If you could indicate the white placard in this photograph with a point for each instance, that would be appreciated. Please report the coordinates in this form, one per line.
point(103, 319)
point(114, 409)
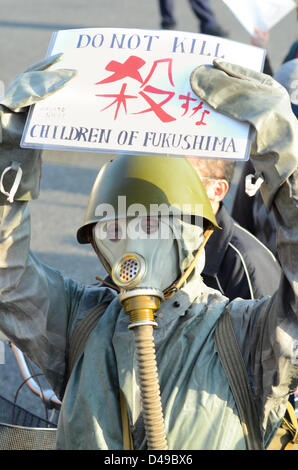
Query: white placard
point(260, 14)
point(132, 94)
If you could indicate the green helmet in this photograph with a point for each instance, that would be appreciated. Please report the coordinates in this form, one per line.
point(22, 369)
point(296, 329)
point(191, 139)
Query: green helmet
point(146, 180)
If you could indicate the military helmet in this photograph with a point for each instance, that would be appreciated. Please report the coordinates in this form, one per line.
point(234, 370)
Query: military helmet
point(146, 180)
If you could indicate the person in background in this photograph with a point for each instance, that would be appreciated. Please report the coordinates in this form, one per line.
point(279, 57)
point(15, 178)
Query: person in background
point(293, 51)
point(260, 39)
point(208, 23)
point(235, 259)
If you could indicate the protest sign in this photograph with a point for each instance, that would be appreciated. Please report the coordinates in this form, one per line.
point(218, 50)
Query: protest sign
point(132, 94)
point(260, 14)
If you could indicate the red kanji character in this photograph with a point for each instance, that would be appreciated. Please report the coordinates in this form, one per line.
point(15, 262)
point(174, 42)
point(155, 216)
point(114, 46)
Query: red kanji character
point(153, 68)
point(128, 69)
point(187, 99)
point(120, 100)
point(157, 107)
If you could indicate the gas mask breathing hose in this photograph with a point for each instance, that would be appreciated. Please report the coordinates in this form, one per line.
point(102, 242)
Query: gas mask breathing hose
point(141, 310)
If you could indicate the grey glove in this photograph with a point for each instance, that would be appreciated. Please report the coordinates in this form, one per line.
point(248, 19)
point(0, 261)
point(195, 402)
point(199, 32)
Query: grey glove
point(20, 169)
point(255, 98)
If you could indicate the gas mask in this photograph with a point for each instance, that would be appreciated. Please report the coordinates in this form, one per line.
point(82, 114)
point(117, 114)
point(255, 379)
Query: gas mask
point(135, 250)
point(147, 252)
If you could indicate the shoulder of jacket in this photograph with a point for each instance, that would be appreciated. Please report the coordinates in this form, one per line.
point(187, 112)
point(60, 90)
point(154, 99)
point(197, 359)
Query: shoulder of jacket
point(244, 235)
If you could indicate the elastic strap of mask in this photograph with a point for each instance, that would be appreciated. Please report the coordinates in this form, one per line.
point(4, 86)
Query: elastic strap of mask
point(172, 289)
point(103, 281)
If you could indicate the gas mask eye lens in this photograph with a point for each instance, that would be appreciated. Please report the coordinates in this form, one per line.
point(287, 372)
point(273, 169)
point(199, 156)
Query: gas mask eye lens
point(114, 231)
point(149, 225)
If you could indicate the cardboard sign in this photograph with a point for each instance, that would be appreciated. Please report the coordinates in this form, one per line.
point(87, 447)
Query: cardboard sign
point(132, 94)
point(260, 14)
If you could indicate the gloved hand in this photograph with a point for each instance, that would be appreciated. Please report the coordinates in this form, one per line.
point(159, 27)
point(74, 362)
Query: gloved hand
point(20, 169)
point(255, 98)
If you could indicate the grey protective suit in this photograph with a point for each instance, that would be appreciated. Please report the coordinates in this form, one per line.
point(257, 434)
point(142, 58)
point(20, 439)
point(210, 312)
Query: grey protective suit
point(39, 310)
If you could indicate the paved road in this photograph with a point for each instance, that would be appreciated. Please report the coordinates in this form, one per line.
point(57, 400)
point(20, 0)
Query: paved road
point(25, 32)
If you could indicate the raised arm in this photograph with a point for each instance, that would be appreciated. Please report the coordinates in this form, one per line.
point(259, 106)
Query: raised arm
point(34, 299)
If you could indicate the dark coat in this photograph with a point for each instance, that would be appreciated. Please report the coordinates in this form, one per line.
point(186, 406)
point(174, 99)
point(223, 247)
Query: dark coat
point(237, 263)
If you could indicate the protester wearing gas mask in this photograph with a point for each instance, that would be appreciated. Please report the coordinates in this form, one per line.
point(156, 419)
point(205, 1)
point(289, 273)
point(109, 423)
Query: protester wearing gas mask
point(158, 334)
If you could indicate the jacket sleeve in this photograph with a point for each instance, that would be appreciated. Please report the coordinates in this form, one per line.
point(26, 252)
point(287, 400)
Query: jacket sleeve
point(36, 302)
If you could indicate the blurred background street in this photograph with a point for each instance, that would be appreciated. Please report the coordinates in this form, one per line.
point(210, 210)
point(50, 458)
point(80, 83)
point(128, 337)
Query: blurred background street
point(25, 31)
